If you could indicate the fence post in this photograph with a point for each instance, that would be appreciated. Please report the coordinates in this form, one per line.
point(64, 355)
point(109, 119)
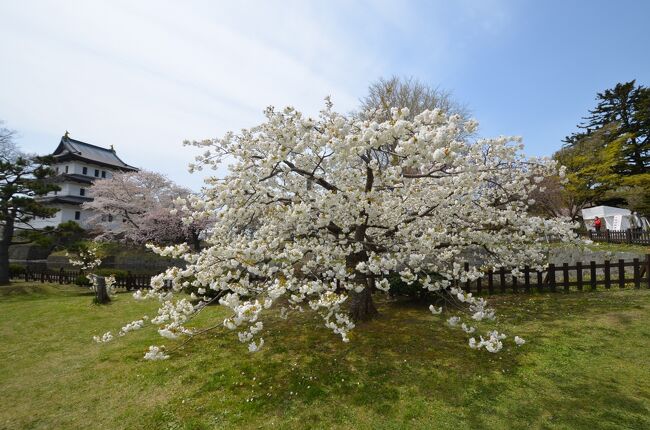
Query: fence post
point(647, 270)
point(607, 235)
point(479, 287)
point(565, 276)
point(608, 282)
point(621, 273)
point(637, 274)
point(628, 235)
point(540, 281)
point(515, 288)
point(592, 275)
point(579, 275)
point(551, 276)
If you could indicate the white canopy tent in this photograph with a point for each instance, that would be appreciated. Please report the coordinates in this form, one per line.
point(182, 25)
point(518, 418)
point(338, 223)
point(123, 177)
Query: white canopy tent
point(613, 218)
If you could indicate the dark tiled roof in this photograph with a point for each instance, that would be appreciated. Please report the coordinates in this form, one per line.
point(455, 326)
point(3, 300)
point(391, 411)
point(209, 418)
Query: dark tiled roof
point(74, 177)
point(75, 149)
point(73, 200)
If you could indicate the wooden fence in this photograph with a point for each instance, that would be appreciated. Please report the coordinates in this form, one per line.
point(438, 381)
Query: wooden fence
point(638, 237)
point(129, 281)
point(621, 273)
point(554, 278)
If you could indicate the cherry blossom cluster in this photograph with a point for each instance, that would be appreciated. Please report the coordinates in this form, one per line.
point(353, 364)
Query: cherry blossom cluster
point(156, 353)
point(316, 211)
point(87, 260)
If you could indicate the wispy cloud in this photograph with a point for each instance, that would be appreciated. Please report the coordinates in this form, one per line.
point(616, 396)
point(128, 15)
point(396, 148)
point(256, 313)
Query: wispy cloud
point(145, 75)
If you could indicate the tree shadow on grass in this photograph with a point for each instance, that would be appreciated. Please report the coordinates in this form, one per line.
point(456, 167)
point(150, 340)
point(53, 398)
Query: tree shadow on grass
point(304, 364)
point(403, 364)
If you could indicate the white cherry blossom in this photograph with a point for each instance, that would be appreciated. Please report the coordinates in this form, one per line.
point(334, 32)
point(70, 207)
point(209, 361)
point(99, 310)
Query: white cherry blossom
point(316, 214)
point(156, 353)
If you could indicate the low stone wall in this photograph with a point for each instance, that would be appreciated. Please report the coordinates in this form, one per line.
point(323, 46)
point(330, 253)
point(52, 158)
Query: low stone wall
point(134, 264)
point(558, 256)
point(28, 252)
point(146, 265)
point(32, 265)
point(31, 256)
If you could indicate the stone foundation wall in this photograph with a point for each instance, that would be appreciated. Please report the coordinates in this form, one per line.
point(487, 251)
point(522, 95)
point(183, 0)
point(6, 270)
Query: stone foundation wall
point(133, 264)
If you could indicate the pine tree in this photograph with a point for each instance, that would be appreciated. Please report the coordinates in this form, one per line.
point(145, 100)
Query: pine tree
point(619, 126)
point(22, 178)
point(627, 107)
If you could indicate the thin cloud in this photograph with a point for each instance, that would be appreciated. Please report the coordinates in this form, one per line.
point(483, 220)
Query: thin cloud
point(143, 76)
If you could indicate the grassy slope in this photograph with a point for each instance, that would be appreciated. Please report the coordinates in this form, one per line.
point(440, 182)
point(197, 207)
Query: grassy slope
point(610, 247)
point(585, 366)
point(619, 247)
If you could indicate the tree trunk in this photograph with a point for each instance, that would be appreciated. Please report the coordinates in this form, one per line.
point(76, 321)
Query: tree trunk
point(362, 308)
point(101, 294)
point(4, 264)
point(5, 241)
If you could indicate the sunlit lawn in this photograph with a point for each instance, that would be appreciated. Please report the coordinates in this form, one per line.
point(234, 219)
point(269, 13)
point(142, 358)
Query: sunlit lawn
point(586, 365)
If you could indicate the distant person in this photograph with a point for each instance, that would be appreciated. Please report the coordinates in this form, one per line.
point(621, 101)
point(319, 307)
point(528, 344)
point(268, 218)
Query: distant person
point(597, 224)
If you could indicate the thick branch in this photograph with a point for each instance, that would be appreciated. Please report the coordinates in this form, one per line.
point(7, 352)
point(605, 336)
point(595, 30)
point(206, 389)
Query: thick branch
point(320, 181)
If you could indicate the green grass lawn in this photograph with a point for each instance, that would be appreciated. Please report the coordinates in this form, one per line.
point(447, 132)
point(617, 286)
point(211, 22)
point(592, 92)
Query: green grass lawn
point(586, 366)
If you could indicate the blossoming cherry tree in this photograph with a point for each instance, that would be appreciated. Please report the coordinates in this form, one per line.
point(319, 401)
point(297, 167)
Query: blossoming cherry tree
point(317, 213)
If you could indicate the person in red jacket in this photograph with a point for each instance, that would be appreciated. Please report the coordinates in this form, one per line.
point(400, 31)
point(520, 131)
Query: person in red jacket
point(597, 223)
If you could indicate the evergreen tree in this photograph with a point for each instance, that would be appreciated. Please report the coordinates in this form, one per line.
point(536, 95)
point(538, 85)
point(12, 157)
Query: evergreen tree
point(619, 129)
point(628, 107)
point(591, 176)
point(22, 177)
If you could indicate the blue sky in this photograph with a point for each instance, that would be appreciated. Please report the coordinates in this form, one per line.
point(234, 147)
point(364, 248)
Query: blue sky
point(145, 75)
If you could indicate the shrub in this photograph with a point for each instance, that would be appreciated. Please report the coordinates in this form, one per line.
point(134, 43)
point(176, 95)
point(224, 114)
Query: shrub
point(16, 270)
point(82, 281)
point(399, 288)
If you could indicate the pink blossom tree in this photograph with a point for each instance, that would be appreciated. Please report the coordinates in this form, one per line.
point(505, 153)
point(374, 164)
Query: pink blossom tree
point(140, 207)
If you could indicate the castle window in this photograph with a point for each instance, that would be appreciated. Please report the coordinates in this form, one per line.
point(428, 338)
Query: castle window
point(96, 173)
point(66, 169)
point(77, 215)
point(103, 173)
point(85, 170)
point(82, 191)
